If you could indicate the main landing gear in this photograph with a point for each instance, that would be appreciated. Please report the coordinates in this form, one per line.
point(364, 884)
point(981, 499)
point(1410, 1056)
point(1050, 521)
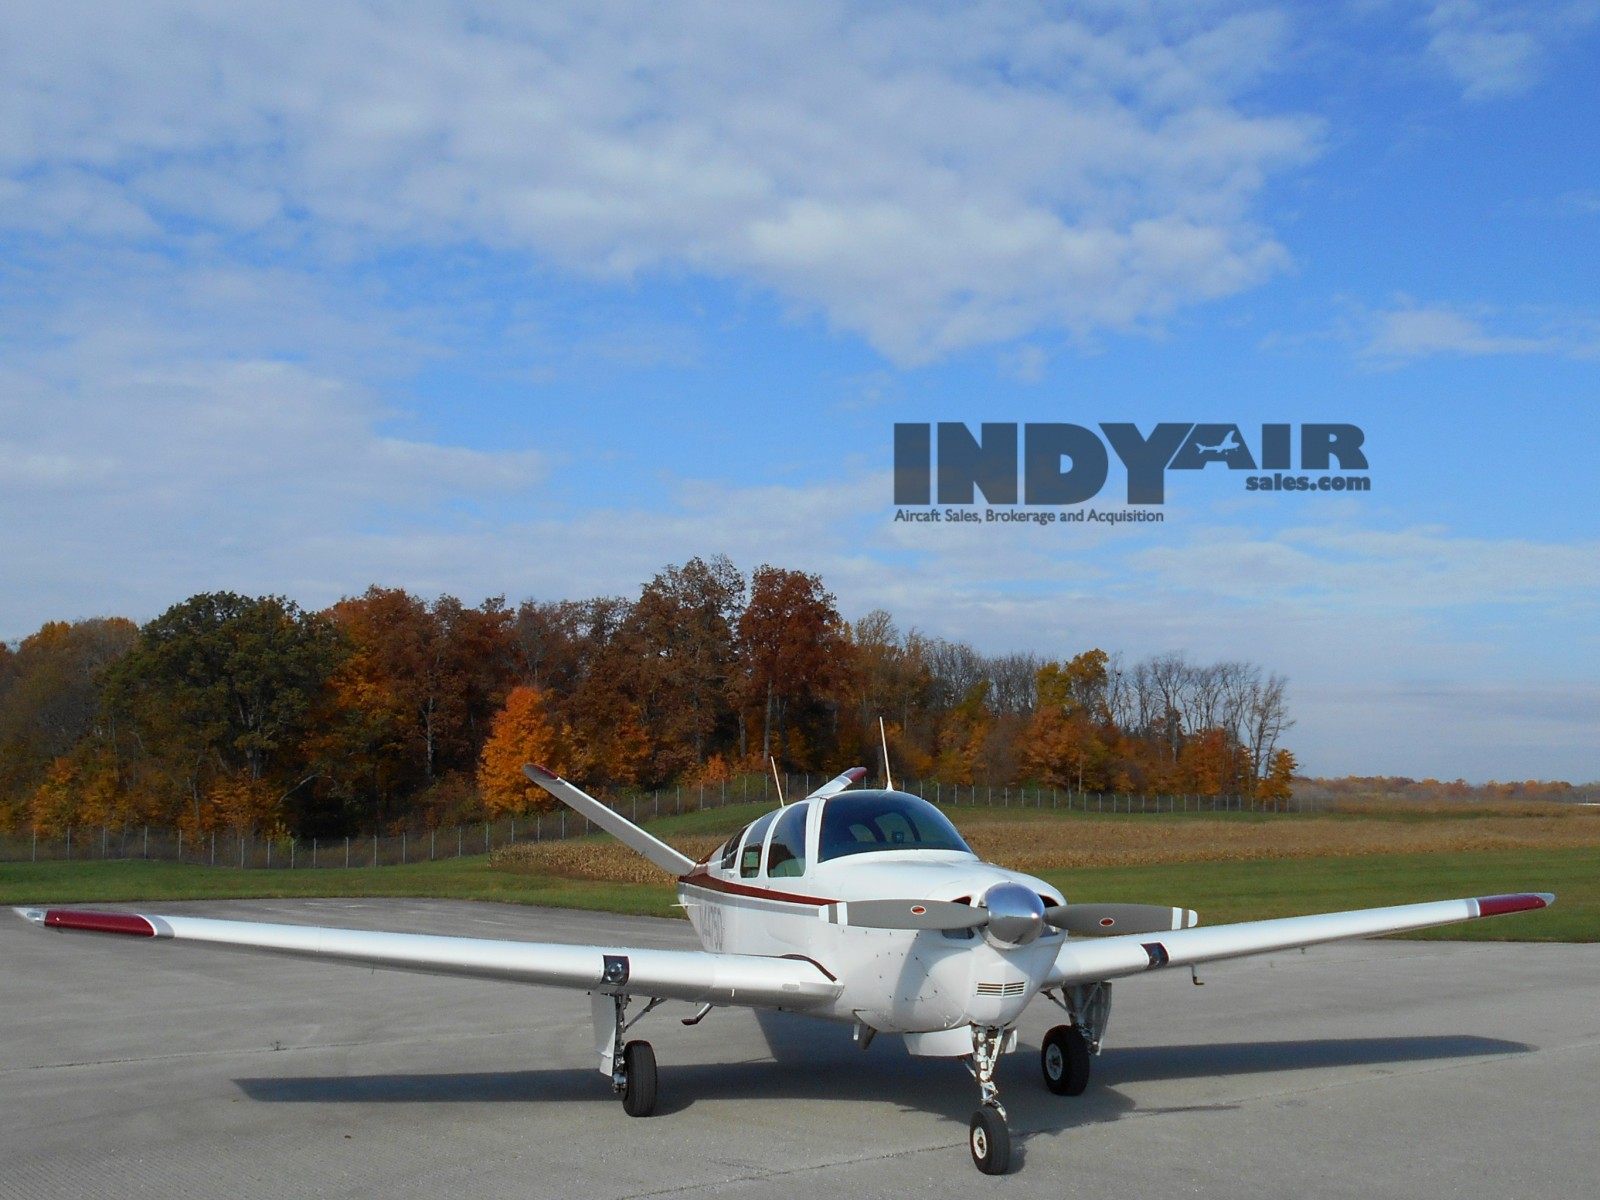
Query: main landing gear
point(1064, 1058)
point(1066, 1053)
point(633, 1071)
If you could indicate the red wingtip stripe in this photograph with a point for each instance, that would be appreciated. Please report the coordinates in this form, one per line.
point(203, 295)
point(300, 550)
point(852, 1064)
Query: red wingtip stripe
point(1494, 906)
point(99, 922)
point(539, 772)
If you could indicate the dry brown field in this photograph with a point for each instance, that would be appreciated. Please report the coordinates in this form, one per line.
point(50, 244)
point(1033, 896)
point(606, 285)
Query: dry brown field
point(1047, 840)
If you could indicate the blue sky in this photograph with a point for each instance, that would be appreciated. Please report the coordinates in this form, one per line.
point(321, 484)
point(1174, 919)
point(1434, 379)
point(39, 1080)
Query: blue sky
point(535, 300)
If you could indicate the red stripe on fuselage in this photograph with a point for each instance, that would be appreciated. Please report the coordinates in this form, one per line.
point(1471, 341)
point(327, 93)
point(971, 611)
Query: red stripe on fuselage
point(99, 922)
point(1494, 906)
point(704, 879)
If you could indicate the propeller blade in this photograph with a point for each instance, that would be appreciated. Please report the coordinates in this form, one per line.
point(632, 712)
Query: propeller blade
point(1120, 918)
point(904, 914)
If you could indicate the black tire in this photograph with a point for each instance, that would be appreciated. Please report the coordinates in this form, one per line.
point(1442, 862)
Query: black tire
point(1064, 1058)
point(639, 1079)
point(989, 1139)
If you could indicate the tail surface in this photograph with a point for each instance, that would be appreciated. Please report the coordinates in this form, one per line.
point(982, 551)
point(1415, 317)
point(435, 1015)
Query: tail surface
point(614, 823)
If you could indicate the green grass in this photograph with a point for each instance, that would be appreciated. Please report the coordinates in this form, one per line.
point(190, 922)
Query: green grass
point(1221, 891)
point(1244, 891)
point(450, 879)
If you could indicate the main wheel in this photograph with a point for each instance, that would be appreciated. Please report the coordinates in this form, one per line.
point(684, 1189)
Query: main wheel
point(1065, 1060)
point(639, 1079)
point(990, 1141)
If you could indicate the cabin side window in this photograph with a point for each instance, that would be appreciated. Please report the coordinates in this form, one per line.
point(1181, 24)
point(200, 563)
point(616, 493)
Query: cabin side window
point(750, 856)
point(786, 856)
point(730, 851)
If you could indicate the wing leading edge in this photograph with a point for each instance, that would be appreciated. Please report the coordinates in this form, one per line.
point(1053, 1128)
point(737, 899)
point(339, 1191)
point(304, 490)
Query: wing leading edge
point(1091, 960)
point(694, 975)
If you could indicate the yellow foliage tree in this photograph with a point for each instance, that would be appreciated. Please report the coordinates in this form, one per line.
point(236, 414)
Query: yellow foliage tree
point(239, 802)
point(54, 804)
point(522, 732)
point(1277, 787)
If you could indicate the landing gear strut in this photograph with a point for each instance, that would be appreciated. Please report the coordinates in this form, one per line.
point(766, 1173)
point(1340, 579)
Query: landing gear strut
point(988, 1135)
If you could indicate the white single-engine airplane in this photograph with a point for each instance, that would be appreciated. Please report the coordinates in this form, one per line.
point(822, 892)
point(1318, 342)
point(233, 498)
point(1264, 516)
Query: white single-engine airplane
point(864, 907)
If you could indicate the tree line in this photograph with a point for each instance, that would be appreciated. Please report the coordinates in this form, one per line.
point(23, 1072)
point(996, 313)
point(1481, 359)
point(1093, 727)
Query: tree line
point(388, 710)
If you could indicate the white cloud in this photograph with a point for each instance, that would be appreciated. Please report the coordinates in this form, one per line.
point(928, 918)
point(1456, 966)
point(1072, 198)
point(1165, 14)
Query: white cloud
point(1494, 48)
point(930, 179)
point(1410, 331)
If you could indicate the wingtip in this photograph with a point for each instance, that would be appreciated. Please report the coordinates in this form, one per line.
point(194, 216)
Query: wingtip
point(1496, 906)
point(537, 773)
point(36, 915)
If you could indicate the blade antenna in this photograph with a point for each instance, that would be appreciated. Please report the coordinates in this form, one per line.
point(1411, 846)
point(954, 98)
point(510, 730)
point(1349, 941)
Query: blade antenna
point(884, 735)
point(782, 803)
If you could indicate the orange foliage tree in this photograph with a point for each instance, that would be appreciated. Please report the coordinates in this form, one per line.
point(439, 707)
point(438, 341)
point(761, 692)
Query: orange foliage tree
point(521, 732)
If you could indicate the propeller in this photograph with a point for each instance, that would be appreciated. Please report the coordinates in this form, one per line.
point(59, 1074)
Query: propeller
point(905, 914)
point(1021, 921)
point(1120, 918)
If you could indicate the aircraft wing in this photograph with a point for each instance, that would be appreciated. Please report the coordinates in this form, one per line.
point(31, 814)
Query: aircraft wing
point(697, 976)
point(1093, 960)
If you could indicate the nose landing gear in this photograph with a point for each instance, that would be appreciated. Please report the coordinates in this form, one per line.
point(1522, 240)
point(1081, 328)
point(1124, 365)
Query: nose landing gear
point(988, 1134)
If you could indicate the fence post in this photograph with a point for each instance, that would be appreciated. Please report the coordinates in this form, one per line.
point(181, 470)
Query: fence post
point(69, 843)
point(374, 849)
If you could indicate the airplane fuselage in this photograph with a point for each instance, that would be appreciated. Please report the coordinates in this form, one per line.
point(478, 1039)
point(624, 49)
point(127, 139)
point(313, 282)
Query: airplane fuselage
point(783, 887)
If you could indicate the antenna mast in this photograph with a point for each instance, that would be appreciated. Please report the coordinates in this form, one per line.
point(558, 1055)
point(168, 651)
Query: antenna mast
point(884, 735)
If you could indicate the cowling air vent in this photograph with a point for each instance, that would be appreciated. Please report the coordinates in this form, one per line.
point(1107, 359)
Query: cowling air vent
point(1002, 989)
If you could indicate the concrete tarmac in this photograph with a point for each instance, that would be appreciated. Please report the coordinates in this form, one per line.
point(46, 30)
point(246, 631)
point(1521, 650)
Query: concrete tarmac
point(1368, 1069)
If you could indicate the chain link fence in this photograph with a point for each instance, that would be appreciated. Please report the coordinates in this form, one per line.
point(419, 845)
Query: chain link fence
point(250, 850)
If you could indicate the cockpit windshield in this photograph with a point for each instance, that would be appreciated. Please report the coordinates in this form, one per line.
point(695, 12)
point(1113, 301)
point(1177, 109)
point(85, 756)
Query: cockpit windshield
point(861, 822)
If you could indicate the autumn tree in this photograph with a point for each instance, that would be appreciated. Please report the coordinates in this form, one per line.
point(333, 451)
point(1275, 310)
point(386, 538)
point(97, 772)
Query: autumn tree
point(682, 627)
point(1277, 786)
point(422, 685)
point(222, 690)
point(792, 648)
point(963, 737)
point(50, 704)
point(889, 679)
point(521, 732)
point(1069, 740)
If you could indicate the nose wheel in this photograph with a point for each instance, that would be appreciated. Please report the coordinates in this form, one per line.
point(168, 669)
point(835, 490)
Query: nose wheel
point(988, 1134)
point(989, 1138)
